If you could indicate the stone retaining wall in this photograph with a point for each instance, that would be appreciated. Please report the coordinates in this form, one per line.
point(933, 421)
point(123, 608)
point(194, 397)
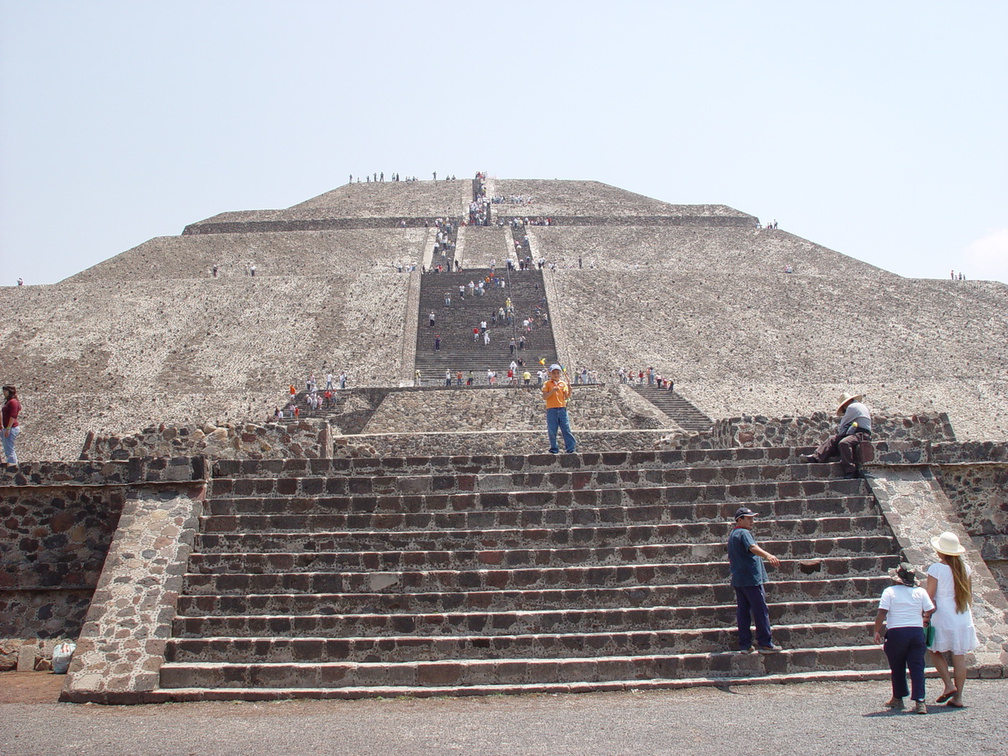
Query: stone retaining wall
point(57, 521)
point(293, 438)
point(749, 430)
point(978, 489)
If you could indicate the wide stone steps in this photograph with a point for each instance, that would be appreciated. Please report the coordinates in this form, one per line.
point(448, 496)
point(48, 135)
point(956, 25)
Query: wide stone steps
point(805, 599)
point(681, 553)
point(323, 579)
point(373, 517)
point(225, 470)
point(454, 324)
point(485, 642)
point(511, 674)
point(520, 481)
point(565, 498)
point(497, 573)
point(517, 538)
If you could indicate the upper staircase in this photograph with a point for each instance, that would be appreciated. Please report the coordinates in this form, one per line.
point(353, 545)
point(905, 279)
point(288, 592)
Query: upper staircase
point(454, 323)
point(680, 409)
point(462, 575)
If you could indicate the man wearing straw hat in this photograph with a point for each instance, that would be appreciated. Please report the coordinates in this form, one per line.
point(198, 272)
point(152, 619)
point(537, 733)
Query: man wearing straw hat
point(855, 426)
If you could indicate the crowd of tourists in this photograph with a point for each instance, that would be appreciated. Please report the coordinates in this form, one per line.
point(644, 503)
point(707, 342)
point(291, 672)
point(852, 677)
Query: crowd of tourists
point(644, 377)
point(379, 178)
point(510, 199)
point(315, 397)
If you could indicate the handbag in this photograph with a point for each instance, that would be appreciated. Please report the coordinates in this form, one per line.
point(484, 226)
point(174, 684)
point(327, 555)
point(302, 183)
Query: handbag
point(929, 633)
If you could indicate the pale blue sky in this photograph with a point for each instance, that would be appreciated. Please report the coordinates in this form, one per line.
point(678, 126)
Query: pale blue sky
point(875, 128)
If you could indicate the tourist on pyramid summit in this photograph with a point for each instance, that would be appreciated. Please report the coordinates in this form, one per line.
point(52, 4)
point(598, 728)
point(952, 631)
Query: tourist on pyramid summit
point(855, 426)
point(557, 391)
point(11, 427)
point(747, 578)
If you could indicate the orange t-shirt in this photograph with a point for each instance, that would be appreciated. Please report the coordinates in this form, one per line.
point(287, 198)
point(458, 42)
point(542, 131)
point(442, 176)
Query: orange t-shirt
point(559, 399)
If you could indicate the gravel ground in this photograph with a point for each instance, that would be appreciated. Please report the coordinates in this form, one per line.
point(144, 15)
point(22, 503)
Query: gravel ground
point(808, 718)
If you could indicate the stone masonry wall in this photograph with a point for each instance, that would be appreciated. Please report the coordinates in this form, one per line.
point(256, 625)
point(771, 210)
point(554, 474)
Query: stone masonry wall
point(975, 480)
point(292, 438)
point(749, 430)
point(57, 521)
point(55, 545)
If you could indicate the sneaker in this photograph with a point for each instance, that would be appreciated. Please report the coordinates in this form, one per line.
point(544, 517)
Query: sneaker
point(746, 650)
point(894, 703)
point(771, 649)
point(920, 708)
point(808, 458)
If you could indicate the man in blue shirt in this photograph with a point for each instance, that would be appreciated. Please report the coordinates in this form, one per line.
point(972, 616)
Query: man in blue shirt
point(747, 577)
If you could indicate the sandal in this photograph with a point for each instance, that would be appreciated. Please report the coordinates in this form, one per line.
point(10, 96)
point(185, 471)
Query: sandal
point(946, 696)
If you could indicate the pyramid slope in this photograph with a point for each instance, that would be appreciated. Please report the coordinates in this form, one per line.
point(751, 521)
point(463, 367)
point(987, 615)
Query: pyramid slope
point(191, 350)
point(591, 198)
point(148, 336)
point(274, 254)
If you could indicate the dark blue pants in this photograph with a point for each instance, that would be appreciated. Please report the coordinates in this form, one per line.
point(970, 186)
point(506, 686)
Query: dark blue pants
point(751, 607)
point(904, 647)
point(556, 418)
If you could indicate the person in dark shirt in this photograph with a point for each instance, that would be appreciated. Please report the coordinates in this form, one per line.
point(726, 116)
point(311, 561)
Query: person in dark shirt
point(747, 577)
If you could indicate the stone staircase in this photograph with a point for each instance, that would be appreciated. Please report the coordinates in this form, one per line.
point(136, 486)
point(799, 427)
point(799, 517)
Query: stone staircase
point(471, 575)
point(455, 325)
point(682, 410)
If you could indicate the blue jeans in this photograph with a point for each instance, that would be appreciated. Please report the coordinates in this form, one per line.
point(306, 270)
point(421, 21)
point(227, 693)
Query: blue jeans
point(8, 444)
point(904, 647)
point(751, 607)
point(556, 417)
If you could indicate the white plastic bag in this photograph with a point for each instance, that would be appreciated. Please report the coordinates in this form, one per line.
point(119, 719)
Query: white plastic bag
point(61, 656)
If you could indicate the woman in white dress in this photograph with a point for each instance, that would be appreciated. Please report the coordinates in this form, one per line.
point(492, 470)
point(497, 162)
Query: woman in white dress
point(949, 586)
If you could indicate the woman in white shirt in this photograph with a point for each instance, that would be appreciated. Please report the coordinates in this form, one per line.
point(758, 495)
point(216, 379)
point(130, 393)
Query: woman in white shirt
point(902, 609)
point(950, 587)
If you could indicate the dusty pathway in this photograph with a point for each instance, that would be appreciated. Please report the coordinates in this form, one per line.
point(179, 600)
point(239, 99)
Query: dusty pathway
point(809, 718)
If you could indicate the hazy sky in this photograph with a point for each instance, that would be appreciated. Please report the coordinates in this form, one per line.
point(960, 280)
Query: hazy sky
point(879, 129)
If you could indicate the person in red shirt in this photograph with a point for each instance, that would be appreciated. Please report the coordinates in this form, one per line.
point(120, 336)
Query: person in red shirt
point(11, 427)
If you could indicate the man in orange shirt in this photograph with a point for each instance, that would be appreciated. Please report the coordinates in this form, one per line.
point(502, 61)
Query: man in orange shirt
point(556, 391)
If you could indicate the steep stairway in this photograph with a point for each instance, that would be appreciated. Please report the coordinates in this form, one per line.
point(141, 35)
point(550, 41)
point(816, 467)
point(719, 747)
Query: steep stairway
point(682, 410)
point(454, 323)
point(473, 575)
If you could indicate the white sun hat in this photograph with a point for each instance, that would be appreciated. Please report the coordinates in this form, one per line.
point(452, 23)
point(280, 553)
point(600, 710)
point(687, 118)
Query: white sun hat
point(948, 544)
